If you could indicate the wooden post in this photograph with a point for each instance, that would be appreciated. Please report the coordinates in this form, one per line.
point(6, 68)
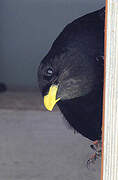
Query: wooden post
point(110, 111)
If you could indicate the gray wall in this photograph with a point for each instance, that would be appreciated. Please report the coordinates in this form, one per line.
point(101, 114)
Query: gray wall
point(27, 30)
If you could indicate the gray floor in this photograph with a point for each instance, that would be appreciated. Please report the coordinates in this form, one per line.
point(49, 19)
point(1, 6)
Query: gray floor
point(22, 100)
point(37, 145)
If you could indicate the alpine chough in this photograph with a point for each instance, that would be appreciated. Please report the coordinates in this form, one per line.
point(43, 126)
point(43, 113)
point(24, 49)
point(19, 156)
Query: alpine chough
point(71, 74)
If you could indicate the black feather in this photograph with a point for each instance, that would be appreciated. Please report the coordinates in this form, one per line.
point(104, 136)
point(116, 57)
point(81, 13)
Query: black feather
point(77, 60)
point(84, 114)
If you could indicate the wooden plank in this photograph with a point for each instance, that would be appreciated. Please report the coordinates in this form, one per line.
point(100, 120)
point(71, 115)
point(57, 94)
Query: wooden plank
point(110, 112)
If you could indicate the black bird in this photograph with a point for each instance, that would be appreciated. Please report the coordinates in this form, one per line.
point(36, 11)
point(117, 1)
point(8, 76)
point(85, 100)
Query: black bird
point(72, 74)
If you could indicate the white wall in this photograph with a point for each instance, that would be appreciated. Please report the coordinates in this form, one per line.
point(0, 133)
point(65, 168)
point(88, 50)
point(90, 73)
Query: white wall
point(27, 30)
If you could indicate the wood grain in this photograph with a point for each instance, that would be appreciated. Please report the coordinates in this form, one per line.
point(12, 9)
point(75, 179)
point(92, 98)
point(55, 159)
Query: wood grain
point(110, 122)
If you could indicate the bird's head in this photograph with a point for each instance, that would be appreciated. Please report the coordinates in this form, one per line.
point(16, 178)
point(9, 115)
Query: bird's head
point(70, 69)
point(66, 76)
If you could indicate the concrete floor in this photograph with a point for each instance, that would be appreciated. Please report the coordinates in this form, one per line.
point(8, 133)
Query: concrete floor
point(37, 145)
point(22, 100)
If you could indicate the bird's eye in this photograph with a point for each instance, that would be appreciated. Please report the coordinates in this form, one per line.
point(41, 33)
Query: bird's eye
point(49, 72)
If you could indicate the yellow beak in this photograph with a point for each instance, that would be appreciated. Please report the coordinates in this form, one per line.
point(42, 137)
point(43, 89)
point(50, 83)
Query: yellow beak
point(50, 99)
